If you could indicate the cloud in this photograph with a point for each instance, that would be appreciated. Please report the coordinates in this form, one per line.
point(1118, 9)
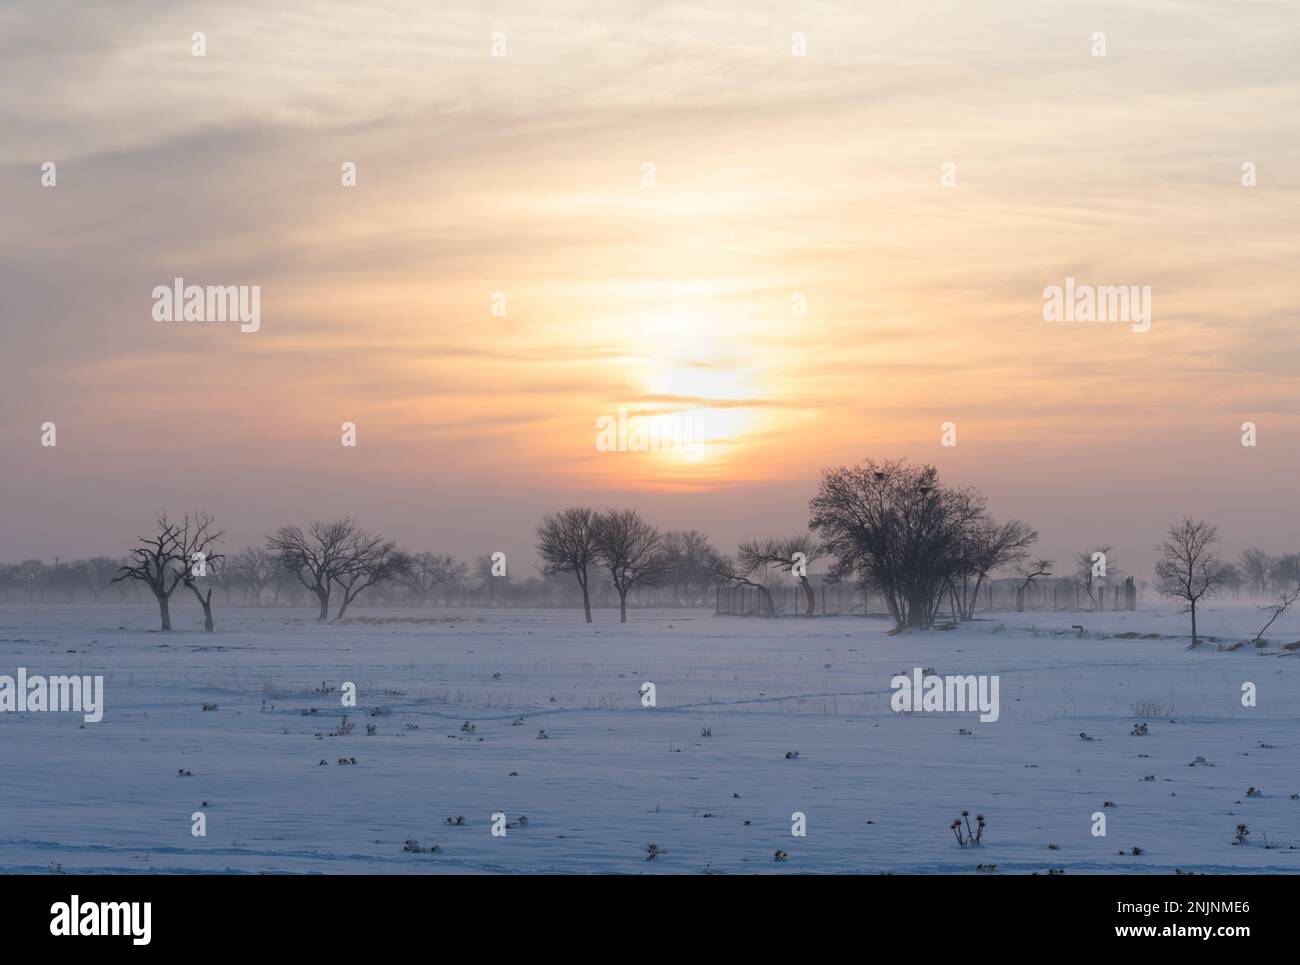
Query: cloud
point(521, 175)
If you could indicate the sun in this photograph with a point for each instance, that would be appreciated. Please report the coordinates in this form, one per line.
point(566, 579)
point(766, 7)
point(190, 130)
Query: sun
point(710, 400)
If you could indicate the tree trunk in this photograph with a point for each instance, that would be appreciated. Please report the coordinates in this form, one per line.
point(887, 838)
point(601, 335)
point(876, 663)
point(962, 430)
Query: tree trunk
point(206, 603)
point(974, 598)
point(622, 606)
point(812, 600)
point(1193, 607)
point(343, 607)
point(323, 595)
point(164, 613)
point(581, 575)
point(919, 613)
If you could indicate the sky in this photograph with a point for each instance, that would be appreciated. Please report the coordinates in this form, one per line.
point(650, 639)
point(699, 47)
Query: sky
point(810, 249)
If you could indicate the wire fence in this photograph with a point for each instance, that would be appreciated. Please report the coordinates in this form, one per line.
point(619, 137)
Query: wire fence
point(1005, 596)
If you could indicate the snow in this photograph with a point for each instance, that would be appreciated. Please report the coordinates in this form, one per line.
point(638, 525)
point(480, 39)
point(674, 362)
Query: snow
point(879, 788)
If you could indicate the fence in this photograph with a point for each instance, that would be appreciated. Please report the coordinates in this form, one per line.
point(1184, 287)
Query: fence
point(829, 598)
point(1062, 595)
point(998, 596)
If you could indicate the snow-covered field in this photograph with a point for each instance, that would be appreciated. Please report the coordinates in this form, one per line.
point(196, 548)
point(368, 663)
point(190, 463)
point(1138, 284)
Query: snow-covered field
point(879, 788)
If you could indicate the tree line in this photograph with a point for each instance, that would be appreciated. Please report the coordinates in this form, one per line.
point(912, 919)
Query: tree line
point(923, 546)
point(926, 548)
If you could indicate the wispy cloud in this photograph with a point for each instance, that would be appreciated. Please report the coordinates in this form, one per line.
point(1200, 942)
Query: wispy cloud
point(776, 178)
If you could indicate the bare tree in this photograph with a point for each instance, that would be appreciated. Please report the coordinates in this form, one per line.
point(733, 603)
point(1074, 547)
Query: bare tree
point(1089, 574)
point(987, 546)
point(1288, 590)
point(691, 563)
point(790, 555)
point(197, 540)
point(895, 526)
point(1232, 579)
point(153, 563)
point(253, 568)
point(66, 577)
point(285, 584)
point(98, 573)
point(566, 542)
point(1257, 566)
point(226, 578)
point(163, 561)
point(1285, 570)
point(631, 549)
point(484, 570)
point(1189, 568)
point(30, 576)
point(1286, 599)
point(1041, 567)
point(423, 573)
point(367, 559)
point(317, 557)
point(727, 571)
